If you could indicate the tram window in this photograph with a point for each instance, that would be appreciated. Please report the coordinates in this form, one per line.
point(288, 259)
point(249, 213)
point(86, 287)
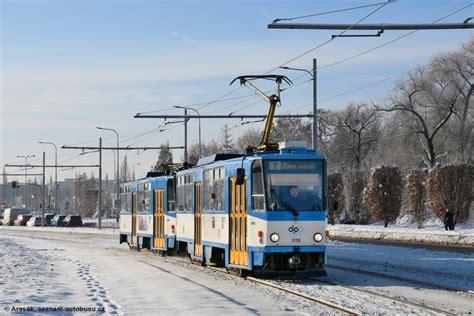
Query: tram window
point(214, 189)
point(143, 196)
point(184, 198)
point(258, 195)
point(171, 196)
point(125, 198)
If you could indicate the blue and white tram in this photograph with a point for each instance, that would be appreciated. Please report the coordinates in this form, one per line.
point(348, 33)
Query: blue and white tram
point(148, 213)
point(259, 211)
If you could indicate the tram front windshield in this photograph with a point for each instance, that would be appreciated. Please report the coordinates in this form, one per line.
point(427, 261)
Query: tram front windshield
point(294, 185)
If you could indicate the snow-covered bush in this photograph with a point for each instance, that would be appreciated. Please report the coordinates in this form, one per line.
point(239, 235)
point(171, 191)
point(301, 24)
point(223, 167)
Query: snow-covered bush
point(354, 183)
point(416, 193)
point(383, 194)
point(450, 189)
point(335, 196)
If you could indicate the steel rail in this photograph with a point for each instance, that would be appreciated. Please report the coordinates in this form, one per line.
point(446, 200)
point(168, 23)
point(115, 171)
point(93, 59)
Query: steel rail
point(392, 298)
point(400, 278)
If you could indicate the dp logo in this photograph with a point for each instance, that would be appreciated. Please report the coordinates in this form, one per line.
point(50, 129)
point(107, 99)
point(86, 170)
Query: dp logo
point(293, 229)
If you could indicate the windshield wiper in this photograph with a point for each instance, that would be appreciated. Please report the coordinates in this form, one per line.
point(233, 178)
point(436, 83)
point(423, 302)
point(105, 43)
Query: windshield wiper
point(285, 203)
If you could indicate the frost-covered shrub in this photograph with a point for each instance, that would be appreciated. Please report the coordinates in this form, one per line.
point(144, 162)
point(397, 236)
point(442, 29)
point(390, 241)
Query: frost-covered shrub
point(383, 194)
point(354, 184)
point(335, 196)
point(416, 193)
point(450, 189)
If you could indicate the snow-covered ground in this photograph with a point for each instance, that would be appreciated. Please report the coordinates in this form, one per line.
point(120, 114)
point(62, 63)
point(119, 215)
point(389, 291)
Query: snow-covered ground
point(92, 271)
point(50, 267)
point(433, 233)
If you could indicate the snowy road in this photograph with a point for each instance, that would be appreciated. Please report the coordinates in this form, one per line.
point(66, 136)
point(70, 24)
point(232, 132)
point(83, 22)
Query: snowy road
point(51, 269)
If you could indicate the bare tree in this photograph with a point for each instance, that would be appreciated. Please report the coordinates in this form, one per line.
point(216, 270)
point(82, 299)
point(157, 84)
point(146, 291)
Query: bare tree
point(425, 103)
point(458, 68)
point(250, 138)
point(164, 158)
point(226, 140)
point(207, 149)
point(335, 196)
point(289, 128)
point(125, 175)
point(356, 134)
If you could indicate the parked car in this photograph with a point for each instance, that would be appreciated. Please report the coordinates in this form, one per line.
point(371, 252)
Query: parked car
point(21, 220)
point(10, 214)
point(57, 220)
point(34, 221)
point(48, 218)
point(72, 221)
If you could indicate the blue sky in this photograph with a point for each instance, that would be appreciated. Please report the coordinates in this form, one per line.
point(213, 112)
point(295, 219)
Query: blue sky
point(69, 66)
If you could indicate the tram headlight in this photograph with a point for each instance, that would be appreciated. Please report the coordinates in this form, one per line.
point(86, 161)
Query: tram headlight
point(317, 237)
point(274, 237)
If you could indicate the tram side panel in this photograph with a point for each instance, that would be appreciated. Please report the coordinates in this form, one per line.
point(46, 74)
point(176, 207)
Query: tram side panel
point(125, 222)
point(144, 221)
point(185, 211)
point(215, 218)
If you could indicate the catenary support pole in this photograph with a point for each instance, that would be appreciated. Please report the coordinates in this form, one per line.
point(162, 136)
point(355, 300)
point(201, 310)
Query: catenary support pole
point(43, 191)
point(99, 195)
point(315, 105)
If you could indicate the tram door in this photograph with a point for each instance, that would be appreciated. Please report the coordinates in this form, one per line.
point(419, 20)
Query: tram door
point(159, 219)
point(238, 224)
point(197, 219)
point(134, 218)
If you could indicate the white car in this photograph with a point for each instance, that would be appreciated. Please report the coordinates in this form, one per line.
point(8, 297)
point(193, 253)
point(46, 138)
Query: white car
point(34, 221)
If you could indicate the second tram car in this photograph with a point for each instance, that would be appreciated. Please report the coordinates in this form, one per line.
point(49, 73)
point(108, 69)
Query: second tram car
point(258, 211)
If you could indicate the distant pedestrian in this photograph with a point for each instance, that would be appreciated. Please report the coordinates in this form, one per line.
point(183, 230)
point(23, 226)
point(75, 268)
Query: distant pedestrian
point(448, 220)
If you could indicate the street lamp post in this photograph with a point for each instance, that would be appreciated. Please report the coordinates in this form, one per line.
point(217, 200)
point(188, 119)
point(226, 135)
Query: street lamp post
point(26, 176)
point(55, 172)
point(133, 169)
point(199, 118)
point(117, 178)
point(313, 74)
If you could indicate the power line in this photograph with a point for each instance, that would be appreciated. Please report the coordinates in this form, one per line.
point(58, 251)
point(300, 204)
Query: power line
point(328, 12)
point(333, 38)
point(382, 4)
point(391, 41)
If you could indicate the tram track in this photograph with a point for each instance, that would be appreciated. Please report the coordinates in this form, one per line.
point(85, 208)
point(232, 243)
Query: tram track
point(392, 298)
point(307, 297)
point(301, 294)
point(298, 293)
point(401, 278)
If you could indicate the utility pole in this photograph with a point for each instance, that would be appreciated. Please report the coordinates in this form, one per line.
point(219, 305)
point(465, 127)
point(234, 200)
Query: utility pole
point(117, 174)
point(26, 176)
point(99, 204)
point(314, 126)
point(43, 191)
point(315, 105)
point(185, 136)
point(199, 115)
point(55, 172)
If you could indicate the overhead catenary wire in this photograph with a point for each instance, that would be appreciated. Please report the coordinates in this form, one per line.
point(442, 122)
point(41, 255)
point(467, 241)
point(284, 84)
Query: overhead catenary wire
point(328, 12)
point(382, 4)
point(324, 43)
point(391, 41)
